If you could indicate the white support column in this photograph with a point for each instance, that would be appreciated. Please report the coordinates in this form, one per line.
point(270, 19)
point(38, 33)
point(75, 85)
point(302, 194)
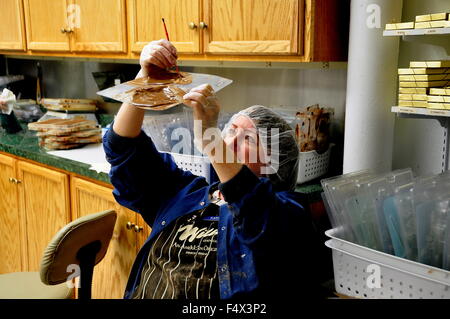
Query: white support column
point(371, 85)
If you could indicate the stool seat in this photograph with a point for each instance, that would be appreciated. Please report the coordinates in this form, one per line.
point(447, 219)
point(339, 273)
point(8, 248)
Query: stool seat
point(28, 285)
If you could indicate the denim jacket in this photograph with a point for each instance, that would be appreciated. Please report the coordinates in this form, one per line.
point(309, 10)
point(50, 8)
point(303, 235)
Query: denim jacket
point(263, 235)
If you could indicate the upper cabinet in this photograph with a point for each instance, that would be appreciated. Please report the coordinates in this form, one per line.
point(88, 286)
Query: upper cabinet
point(98, 25)
point(46, 23)
point(12, 32)
point(252, 26)
point(237, 30)
point(181, 18)
point(76, 25)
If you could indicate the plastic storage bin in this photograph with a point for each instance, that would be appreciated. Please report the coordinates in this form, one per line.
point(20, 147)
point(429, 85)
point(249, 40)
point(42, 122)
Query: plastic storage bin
point(399, 278)
point(197, 165)
point(313, 165)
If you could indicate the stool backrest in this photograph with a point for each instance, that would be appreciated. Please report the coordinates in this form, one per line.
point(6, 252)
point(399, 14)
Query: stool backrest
point(63, 249)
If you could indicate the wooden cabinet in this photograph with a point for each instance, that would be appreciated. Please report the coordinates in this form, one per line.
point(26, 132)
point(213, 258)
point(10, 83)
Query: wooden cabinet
point(46, 22)
point(111, 275)
point(12, 32)
point(181, 18)
point(98, 25)
point(10, 226)
point(45, 208)
point(36, 203)
point(76, 25)
point(252, 26)
point(218, 30)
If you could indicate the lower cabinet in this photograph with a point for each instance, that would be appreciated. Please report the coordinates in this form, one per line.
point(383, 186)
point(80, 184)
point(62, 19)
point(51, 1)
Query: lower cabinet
point(44, 208)
point(111, 274)
point(10, 226)
point(37, 201)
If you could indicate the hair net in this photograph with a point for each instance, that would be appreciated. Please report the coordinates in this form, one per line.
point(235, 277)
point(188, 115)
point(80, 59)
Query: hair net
point(278, 141)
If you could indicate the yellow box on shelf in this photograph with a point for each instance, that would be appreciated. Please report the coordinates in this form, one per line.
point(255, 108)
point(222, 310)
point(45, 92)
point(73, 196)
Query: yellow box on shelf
point(438, 106)
point(413, 103)
point(423, 84)
point(412, 90)
point(425, 77)
point(412, 97)
point(430, 64)
point(438, 98)
point(408, 71)
point(432, 24)
point(432, 17)
point(440, 91)
point(399, 26)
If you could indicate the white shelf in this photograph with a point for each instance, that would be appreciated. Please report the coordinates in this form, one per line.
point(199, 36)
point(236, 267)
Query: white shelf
point(396, 33)
point(422, 112)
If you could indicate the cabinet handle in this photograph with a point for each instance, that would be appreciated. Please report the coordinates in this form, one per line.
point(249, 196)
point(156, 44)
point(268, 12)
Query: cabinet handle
point(15, 181)
point(192, 25)
point(138, 229)
point(130, 225)
point(203, 25)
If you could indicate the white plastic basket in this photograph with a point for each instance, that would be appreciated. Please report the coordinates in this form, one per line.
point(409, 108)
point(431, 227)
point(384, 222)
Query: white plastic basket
point(399, 278)
point(197, 165)
point(313, 165)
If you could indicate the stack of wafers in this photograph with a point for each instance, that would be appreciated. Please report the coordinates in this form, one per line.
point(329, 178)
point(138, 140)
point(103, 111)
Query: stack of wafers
point(422, 84)
point(434, 20)
point(62, 134)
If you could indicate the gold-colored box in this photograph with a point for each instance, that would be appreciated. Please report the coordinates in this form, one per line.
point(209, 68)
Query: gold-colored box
point(440, 24)
point(391, 26)
point(439, 106)
point(423, 84)
point(439, 16)
point(438, 98)
point(412, 90)
point(440, 91)
point(430, 64)
point(425, 77)
point(413, 103)
point(412, 97)
point(408, 71)
point(423, 18)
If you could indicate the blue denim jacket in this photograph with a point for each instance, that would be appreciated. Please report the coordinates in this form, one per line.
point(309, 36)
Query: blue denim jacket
point(261, 232)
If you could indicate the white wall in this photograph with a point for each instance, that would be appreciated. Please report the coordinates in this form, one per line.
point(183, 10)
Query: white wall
point(289, 88)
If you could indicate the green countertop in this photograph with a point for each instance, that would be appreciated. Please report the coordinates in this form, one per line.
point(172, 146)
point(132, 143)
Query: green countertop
point(25, 144)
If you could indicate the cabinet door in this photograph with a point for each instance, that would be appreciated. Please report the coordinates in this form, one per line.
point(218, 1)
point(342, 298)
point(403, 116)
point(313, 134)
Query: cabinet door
point(44, 205)
point(251, 26)
point(98, 25)
point(10, 225)
point(46, 21)
point(145, 23)
point(111, 274)
point(12, 34)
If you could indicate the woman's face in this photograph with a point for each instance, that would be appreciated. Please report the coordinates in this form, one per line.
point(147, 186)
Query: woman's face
point(243, 139)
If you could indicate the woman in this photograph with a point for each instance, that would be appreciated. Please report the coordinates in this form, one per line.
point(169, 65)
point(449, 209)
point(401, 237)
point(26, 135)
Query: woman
point(241, 237)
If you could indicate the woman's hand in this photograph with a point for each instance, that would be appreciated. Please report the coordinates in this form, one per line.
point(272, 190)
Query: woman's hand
point(161, 53)
point(206, 109)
